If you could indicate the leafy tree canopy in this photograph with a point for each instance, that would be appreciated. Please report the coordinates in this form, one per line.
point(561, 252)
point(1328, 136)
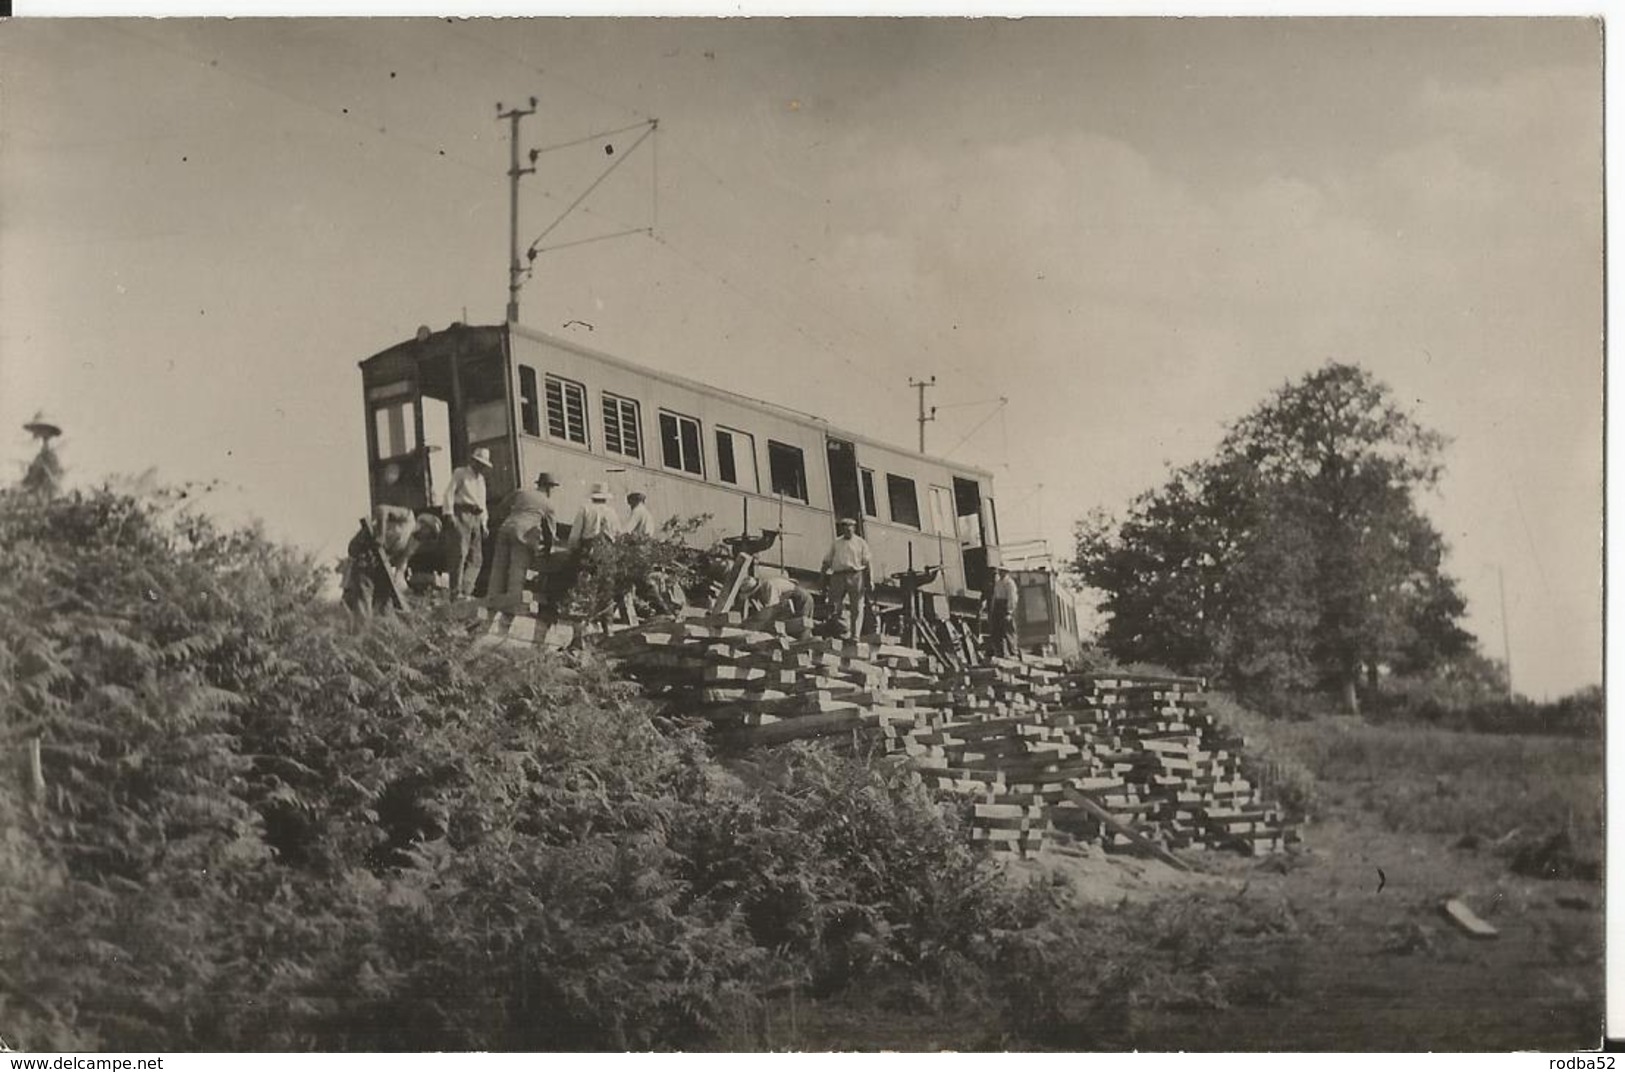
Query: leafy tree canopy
point(1295, 556)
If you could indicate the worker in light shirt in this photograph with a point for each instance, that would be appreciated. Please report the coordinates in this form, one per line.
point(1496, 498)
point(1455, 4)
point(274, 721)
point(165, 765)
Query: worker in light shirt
point(769, 601)
point(1001, 613)
point(846, 573)
point(465, 529)
point(595, 521)
point(640, 522)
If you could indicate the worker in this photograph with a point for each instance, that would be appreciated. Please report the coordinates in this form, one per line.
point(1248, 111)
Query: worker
point(846, 573)
point(640, 522)
point(1001, 613)
point(465, 530)
point(527, 529)
point(768, 601)
point(378, 554)
point(596, 521)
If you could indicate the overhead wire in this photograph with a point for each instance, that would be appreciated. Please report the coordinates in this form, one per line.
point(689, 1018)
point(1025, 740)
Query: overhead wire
point(572, 143)
point(979, 426)
point(546, 73)
point(357, 118)
point(758, 303)
point(828, 316)
point(571, 207)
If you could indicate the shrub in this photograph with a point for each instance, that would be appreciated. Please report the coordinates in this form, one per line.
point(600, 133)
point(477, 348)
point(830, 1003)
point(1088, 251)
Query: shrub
point(614, 568)
point(1074, 976)
point(266, 829)
point(853, 868)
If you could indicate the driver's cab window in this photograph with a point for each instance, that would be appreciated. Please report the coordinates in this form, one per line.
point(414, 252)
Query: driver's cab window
point(394, 421)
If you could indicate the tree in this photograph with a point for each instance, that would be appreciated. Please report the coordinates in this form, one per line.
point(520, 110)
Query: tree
point(1295, 556)
point(1157, 572)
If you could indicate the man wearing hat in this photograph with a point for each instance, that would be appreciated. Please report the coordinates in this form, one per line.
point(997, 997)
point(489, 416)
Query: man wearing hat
point(526, 528)
point(640, 522)
point(465, 513)
point(1001, 612)
point(846, 569)
point(596, 520)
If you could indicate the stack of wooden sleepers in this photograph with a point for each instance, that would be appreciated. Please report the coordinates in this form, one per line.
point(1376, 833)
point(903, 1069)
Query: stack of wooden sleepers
point(1021, 738)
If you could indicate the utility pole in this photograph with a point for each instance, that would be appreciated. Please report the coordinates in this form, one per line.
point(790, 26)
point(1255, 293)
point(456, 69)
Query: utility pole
point(513, 115)
point(1506, 635)
point(921, 385)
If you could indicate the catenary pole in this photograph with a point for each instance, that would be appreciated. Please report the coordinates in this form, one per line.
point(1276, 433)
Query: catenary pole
point(1506, 633)
point(513, 115)
point(921, 385)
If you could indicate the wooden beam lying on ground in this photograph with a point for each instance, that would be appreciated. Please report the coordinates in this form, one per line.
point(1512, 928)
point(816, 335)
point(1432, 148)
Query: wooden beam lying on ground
point(1151, 847)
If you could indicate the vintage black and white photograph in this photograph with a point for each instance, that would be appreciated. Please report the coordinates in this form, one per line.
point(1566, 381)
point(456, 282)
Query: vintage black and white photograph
point(801, 534)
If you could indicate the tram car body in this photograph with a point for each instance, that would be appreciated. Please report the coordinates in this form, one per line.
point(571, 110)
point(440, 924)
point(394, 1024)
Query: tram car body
point(542, 403)
point(1046, 614)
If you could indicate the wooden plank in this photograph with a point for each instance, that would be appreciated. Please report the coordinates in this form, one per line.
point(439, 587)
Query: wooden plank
point(730, 587)
point(1146, 844)
point(1458, 913)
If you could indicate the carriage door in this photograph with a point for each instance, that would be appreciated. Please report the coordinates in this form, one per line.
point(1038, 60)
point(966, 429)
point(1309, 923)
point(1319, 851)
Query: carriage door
point(844, 495)
point(973, 538)
point(396, 458)
point(483, 415)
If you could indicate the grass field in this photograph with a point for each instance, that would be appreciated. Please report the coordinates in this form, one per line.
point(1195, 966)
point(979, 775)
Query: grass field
point(1414, 779)
point(1341, 946)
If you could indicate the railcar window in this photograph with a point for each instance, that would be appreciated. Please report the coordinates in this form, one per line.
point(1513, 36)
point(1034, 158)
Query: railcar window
point(396, 428)
point(967, 505)
point(529, 406)
point(866, 481)
point(736, 458)
point(623, 432)
point(905, 503)
point(566, 410)
point(680, 443)
point(787, 468)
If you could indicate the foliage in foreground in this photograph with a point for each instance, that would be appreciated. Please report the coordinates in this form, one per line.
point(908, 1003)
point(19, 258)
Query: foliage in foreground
point(264, 828)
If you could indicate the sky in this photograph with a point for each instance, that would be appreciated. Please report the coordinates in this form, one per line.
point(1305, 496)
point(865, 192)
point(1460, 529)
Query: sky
point(1130, 230)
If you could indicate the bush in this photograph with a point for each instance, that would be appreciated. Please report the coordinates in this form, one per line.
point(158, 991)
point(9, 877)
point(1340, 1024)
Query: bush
point(853, 869)
point(1439, 700)
point(615, 568)
point(1074, 977)
point(268, 828)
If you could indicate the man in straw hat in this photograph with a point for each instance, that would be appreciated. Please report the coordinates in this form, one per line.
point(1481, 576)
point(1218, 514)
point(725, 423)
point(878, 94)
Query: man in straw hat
point(526, 529)
point(595, 521)
point(465, 530)
point(846, 572)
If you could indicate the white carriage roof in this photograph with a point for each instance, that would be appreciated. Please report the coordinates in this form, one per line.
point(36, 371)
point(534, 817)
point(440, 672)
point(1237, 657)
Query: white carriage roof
point(762, 404)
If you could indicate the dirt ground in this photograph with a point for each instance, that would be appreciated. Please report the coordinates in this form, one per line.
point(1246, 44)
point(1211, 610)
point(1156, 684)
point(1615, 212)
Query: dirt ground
point(1384, 969)
point(1378, 969)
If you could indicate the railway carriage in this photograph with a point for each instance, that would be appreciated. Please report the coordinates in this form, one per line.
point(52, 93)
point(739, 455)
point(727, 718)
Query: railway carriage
point(539, 402)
